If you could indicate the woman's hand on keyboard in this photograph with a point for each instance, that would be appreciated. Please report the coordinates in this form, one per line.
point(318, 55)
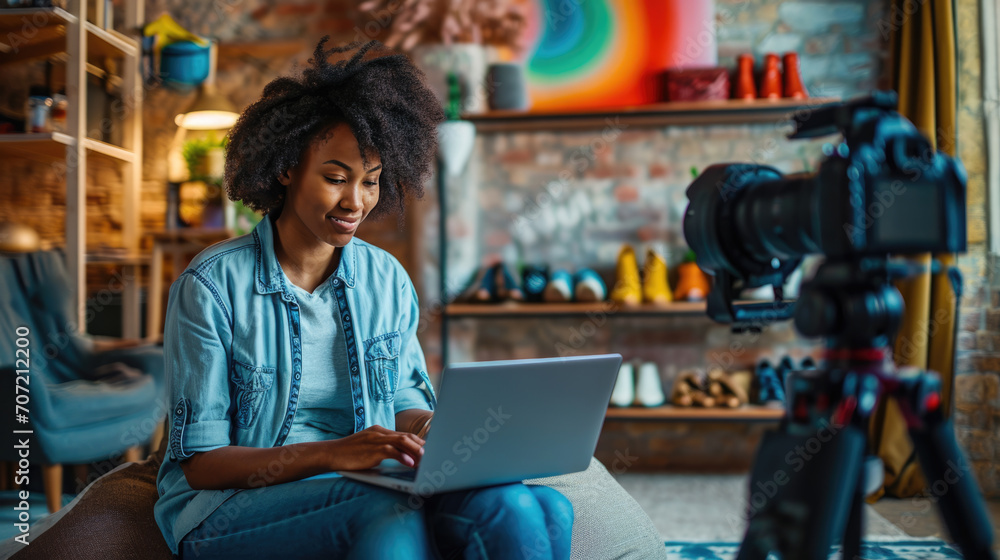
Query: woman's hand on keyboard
point(369, 447)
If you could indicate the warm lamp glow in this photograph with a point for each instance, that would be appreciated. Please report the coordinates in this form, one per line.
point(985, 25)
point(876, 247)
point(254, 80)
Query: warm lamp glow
point(206, 120)
point(210, 111)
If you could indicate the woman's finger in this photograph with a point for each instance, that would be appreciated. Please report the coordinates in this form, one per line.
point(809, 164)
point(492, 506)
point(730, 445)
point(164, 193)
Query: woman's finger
point(419, 440)
point(391, 452)
point(409, 444)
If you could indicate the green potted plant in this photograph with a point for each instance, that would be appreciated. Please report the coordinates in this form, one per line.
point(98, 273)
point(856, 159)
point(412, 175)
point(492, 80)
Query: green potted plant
point(205, 158)
point(456, 137)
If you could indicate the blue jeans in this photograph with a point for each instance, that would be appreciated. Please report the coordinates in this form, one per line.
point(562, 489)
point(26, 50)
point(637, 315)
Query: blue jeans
point(326, 517)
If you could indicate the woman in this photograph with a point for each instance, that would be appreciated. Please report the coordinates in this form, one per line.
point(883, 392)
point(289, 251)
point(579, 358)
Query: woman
point(292, 351)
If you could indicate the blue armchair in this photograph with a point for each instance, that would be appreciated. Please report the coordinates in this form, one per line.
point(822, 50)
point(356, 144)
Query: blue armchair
point(77, 411)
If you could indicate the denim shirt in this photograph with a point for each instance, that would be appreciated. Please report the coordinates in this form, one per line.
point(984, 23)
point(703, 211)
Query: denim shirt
point(233, 358)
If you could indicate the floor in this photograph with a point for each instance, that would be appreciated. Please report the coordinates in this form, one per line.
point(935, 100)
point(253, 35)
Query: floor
point(918, 517)
point(709, 508)
point(704, 508)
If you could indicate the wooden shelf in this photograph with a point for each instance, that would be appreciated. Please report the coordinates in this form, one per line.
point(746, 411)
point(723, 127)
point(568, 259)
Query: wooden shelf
point(52, 146)
point(267, 48)
point(666, 413)
point(47, 145)
point(31, 33)
point(686, 113)
point(569, 309)
point(124, 259)
point(210, 235)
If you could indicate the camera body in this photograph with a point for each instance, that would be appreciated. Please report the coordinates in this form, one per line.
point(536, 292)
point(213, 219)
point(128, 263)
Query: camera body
point(882, 190)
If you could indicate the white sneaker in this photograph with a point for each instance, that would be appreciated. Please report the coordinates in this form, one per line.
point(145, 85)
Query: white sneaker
point(648, 387)
point(624, 391)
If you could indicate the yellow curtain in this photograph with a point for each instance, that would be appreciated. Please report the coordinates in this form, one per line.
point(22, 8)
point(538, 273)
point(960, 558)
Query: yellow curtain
point(924, 75)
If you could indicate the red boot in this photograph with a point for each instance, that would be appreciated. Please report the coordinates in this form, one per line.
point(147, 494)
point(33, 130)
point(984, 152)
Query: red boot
point(793, 81)
point(770, 83)
point(745, 87)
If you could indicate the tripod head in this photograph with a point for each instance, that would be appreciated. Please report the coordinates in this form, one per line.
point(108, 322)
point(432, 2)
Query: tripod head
point(851, 303)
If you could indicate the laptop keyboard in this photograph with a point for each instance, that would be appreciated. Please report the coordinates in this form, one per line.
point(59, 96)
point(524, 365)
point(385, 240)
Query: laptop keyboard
point(410, 475)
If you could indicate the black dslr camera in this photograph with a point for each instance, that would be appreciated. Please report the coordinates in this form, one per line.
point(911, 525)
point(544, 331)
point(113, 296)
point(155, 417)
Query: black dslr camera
point(883, 190)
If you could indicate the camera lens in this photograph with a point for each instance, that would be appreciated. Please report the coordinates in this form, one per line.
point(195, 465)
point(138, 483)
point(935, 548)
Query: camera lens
point(776, 219)
point(742, 217)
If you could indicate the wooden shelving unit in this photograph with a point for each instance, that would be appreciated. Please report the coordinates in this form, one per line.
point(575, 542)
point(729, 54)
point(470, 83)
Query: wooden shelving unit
point(65, 35)
point(747, 413)
point(569, 309)
point(687, 113)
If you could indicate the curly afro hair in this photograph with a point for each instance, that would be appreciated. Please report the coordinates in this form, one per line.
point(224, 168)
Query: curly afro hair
point(380, 95)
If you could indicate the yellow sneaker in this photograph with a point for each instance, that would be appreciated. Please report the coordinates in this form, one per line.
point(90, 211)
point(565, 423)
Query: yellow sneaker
point(655, 288)
point(627, 289)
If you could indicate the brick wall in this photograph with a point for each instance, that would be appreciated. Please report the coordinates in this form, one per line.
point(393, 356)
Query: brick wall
point(977, 395)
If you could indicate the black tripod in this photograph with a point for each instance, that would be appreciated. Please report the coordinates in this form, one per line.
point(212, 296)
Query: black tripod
point(807, 482)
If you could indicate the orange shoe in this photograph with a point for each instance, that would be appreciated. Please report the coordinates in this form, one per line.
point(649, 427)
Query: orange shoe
point(692, 284)
point(628, 290)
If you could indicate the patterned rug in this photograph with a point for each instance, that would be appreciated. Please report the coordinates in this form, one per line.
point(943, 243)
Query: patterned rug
point(900, 550)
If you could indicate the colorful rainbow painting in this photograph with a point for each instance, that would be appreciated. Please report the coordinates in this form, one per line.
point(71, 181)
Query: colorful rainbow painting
point(587, 54)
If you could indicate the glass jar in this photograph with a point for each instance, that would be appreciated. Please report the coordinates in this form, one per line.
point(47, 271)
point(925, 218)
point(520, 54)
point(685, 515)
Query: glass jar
point(38, 110)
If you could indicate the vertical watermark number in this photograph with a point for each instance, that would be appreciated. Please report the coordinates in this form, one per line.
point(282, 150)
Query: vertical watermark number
point(22, 437)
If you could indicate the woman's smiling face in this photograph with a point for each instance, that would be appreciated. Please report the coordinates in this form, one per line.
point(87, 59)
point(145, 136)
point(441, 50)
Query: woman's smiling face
point(330, 190)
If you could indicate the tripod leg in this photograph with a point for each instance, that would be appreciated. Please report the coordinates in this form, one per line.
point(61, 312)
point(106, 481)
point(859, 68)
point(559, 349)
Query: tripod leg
point(954, 489)
point(753, 548)
point(855, 523)
point(801, 488)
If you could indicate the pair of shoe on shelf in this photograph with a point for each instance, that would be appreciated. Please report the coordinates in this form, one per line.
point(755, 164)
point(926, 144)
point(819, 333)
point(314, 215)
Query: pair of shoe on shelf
point(495, 283)
point(642, 388)
point(492, 284)
point(561, 286)
point(652, 288)
point(770, 380)
point(717, 388)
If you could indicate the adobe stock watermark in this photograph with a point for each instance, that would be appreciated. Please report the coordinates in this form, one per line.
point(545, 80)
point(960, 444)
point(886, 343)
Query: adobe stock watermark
point(230, 510)
point(899, 14)
point(463, 450)
point(935, 491)
point(580, 160)
point(885, 198)
point(578, 336)
point(738, 346)
point(698, 43)
point(763, 492)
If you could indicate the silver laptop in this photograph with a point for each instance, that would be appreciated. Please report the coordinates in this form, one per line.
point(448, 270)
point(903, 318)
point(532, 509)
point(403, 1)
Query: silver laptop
point(504, 421)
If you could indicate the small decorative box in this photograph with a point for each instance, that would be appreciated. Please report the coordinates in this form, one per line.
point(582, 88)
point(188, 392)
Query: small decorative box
point(697, 84)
